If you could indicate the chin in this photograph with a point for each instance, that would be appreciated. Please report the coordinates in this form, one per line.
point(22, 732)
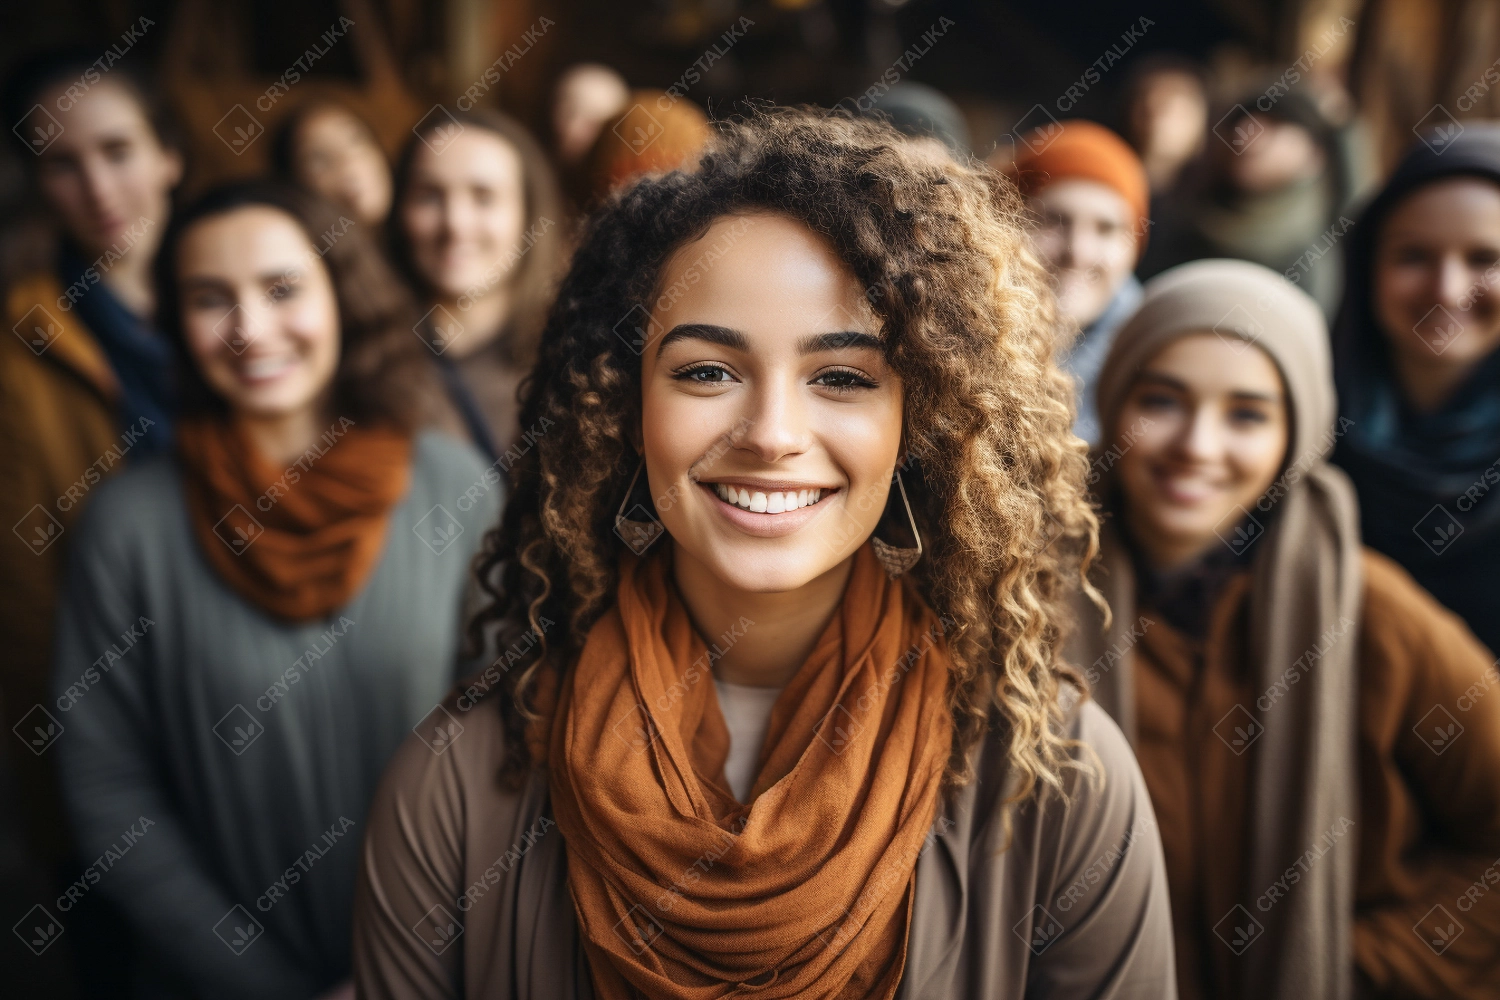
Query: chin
point(769, 566)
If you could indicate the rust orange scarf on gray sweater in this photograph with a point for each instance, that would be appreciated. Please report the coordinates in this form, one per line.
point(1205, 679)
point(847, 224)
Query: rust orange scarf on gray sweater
point(297, 542)
point(681, 891)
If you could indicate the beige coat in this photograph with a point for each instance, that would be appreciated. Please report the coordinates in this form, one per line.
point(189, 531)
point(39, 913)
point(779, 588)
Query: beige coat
point(463, 886)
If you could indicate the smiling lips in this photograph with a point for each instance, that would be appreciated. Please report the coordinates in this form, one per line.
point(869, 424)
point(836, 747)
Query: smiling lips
point(758, 502)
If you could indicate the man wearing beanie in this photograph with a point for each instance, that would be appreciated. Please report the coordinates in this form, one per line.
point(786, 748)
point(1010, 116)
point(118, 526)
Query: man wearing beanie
point(1090, 195)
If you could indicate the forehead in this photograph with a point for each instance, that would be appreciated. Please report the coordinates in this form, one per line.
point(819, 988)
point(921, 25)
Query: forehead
point(475, 155)
point(762, 273)
point(1458, 208)
point(1209, 364)
point(1078, 196)
point(107, 110)
point(247, 240)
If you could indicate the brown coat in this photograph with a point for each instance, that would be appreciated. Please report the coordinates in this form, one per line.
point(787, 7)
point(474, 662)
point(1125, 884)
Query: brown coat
point(59, 436)
point(463, 886)
point(1427, 831)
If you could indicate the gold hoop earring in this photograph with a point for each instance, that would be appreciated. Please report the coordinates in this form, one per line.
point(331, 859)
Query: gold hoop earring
point(899, 559)
point(639, 533)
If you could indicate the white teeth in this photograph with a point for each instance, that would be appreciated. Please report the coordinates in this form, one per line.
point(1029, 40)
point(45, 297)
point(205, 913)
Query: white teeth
point(767, 503)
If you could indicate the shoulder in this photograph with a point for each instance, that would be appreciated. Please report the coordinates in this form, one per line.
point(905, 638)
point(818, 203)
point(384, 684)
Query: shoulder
point(452, 472)
point(1399, 616)
point(139, 501)
point(450, 759)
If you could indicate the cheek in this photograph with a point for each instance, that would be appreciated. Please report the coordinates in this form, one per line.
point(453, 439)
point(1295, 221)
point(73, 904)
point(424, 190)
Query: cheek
point(314, 322)
point(1257, 458)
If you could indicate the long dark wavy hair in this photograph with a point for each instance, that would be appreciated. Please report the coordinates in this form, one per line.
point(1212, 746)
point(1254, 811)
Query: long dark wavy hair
point(383, 373)
point(969, 326)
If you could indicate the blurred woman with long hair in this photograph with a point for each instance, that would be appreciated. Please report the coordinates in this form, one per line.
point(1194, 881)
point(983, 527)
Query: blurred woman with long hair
point(251, 624)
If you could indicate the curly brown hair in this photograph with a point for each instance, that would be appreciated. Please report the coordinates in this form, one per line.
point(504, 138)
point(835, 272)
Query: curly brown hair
point(383, 373)
point(970, 327)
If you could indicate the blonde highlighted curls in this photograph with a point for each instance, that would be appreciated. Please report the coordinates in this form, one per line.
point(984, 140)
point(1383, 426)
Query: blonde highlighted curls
point(995, 477)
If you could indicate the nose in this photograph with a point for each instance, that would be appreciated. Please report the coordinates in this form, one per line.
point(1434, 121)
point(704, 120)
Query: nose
point(776, 425)
point(1200, 440)
point(1454, 282)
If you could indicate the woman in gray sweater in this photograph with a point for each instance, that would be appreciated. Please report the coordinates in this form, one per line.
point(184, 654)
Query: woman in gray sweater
point(250, 626)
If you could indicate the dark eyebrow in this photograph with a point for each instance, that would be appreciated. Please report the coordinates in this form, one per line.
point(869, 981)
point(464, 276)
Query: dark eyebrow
point(737, 341)
point(1172, 383)
point(721, 335)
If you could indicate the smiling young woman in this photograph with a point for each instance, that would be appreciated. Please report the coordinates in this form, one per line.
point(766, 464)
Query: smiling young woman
point(806, 441)
point(251, 624)
point(1288, 693)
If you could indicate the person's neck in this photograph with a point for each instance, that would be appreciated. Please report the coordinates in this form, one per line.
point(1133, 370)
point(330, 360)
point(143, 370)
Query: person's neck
point(286, 437)
point(1426, 385)
point(129, 280)
point(482, 319)
point(786, 625)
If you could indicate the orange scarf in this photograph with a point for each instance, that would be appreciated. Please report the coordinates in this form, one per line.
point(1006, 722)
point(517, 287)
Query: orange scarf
point(681, 891)
point(297, 542)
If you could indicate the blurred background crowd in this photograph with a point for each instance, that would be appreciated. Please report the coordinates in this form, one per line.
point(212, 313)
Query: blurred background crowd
point(461, 142)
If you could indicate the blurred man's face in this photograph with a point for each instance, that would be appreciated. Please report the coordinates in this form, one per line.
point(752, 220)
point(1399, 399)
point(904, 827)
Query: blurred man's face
point(107, 175)
point(1087, 236)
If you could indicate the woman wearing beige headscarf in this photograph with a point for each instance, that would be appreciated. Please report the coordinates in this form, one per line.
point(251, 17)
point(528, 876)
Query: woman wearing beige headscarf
point(1320, 738)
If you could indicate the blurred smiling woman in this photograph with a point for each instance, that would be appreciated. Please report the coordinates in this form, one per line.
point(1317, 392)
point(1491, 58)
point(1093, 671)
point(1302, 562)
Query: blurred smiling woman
point(789, 716)
point(251, 625)
point(1287, 691)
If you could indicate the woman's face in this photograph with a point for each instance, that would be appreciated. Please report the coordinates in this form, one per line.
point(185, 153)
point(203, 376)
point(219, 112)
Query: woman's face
point(1087, 235)
point(107, 176)
point(1433, 261)
point(764, 378)
point(464, 212)
point(259, 311)
point(335, 156)
point(1210, 426)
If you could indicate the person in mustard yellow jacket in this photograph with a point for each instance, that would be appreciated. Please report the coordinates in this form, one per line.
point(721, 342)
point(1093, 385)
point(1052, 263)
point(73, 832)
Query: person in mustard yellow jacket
point(85, 382)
